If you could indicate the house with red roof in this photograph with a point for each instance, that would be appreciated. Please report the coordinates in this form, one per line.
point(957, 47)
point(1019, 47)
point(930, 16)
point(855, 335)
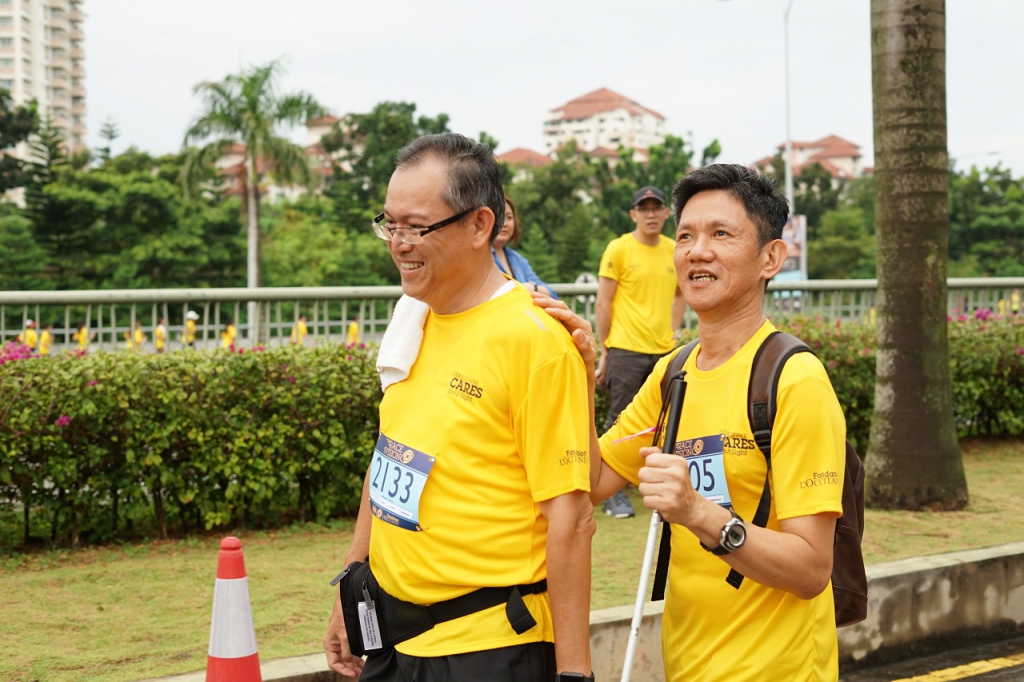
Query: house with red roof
point(841, 158)
point(521, 156)
point(603, 118)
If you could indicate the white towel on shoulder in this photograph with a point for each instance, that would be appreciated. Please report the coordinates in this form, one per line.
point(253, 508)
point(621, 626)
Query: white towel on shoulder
point(401, 343)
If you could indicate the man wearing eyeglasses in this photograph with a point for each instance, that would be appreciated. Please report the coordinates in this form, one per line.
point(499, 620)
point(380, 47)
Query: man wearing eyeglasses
point(639, 307)
point(479, 481)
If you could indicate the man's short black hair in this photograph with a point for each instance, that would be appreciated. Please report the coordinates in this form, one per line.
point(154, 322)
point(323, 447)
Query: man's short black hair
point(766, 206)
point(473, 175)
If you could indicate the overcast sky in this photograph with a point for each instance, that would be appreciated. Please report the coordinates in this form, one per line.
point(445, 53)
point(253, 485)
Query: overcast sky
point(713, 67)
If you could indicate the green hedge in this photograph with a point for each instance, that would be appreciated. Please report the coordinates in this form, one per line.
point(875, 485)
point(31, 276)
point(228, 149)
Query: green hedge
point(114, 445)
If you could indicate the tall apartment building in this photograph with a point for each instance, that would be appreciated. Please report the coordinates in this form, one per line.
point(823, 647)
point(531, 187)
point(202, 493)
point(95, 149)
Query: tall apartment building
point(41, 58)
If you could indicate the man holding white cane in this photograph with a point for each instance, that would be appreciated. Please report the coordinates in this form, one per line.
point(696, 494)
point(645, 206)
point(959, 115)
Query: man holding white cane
point(778, 623)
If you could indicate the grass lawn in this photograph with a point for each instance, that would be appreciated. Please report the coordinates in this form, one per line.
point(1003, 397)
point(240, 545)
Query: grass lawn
point(135, 611)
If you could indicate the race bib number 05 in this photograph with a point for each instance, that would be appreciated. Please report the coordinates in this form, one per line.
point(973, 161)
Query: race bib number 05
point(398, 474)
point(706, 460)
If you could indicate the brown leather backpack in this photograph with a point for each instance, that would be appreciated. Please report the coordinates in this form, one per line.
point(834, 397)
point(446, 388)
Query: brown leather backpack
point(849, 579)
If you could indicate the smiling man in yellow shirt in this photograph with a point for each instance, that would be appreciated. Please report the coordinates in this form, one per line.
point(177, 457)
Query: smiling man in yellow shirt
point(779, 622)
point(480, 475)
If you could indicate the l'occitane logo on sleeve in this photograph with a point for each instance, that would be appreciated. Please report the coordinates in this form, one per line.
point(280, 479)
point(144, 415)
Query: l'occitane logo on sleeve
point(464, 387)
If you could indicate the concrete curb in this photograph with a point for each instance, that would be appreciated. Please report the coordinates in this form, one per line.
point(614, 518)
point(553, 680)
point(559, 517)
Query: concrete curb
point(916, 606)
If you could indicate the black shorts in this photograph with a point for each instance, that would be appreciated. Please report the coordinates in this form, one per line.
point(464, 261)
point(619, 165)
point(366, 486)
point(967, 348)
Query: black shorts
point(519, 663)
point(627, 371)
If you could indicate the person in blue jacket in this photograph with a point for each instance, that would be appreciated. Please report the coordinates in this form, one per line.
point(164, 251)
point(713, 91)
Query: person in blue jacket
point(510, 261)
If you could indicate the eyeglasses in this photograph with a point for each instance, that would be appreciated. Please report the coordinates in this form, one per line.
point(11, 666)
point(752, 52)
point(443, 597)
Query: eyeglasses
point(412, 234)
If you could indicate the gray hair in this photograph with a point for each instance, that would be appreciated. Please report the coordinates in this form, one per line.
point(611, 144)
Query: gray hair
point(474, 179)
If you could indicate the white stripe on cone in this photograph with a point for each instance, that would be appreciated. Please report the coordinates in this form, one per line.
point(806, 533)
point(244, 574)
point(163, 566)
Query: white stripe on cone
point(232, 634)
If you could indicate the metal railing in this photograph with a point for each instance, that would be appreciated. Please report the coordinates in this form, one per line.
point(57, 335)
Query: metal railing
point(110, 314)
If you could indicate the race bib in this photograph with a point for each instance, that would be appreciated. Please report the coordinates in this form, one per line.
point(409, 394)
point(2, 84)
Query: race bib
point(398, 474)
point(706, 459)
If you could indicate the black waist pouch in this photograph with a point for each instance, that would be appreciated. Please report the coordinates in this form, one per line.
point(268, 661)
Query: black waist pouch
point(399, 620)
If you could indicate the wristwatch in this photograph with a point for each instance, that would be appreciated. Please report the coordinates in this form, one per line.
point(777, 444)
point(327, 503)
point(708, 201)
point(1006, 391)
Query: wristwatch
point(734, 534)
point(566, 677)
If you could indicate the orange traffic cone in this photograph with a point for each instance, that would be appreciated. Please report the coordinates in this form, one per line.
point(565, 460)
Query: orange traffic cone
point(232, 655)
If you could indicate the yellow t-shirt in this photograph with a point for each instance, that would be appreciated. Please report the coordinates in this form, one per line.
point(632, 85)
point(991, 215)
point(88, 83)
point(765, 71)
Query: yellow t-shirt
point(353, 332)
point(81, 337)
point(29, 337)
point(45, 342)
point(227, 337)
point(498, 396)
point(711, 631)
point(140, 338)
point(160, 336)
point(646, 288)
point(299, 332)
point(190, 331)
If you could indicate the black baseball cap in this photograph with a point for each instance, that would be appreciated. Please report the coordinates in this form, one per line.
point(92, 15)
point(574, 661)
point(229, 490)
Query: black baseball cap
point(648, 193)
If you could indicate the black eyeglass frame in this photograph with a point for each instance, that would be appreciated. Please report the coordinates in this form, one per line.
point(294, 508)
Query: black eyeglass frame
point(421, 231)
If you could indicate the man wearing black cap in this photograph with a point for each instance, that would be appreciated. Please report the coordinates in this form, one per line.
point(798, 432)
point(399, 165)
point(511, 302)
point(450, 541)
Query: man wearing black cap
point(639, 307)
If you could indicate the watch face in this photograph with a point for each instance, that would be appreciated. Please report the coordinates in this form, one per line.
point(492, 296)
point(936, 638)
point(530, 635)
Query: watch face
point(735, 536)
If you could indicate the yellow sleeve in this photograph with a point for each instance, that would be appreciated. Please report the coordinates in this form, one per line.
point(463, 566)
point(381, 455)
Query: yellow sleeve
point(611, 266)
point(808, 442)
point(641, 414)
point(552, 428)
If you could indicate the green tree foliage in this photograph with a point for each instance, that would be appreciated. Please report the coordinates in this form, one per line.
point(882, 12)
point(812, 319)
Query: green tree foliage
point(124, 225)
point(21, 260)
point(248, 107)
point(843, 247)
point(986, 237)
point(16, 124)
point(109, 132)
point(363, 147)
point(304, 247)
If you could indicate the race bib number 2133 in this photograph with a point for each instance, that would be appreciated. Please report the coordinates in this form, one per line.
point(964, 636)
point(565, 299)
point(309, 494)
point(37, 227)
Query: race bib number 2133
point(398, 474)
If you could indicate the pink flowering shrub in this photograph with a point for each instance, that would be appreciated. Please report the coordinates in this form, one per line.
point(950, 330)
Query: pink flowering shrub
point(112, 445)
point(14, 351)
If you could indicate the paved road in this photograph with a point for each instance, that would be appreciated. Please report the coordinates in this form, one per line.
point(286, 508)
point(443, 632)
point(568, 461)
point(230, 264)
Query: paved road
point(1003, 662)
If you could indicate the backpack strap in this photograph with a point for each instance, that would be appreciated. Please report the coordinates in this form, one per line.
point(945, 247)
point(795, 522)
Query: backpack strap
point(675, 365)
point(762, 405)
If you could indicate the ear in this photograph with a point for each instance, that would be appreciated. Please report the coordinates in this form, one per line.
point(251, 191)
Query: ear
point(773, 255)
point(482, 222)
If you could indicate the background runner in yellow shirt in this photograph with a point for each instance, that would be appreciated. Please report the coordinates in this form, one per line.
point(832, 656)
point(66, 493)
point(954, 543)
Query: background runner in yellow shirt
point(300, 332)
point(188, 335)
point(639, 307)
point(46, 341)
point(354, 331)
point(227, 337)
point(82, 337)
point(160, 335)
point(29, 337)
point(135, 341)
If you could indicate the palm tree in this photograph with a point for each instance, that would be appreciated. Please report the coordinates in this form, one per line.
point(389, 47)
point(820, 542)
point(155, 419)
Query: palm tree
point(913, 458)
point(247, 107)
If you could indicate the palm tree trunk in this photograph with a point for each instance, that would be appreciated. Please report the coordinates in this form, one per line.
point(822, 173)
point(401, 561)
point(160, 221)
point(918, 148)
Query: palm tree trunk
point(913, 458)
point(253, 275)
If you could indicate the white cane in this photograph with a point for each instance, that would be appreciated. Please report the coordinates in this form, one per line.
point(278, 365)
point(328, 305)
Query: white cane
point(677, 391)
